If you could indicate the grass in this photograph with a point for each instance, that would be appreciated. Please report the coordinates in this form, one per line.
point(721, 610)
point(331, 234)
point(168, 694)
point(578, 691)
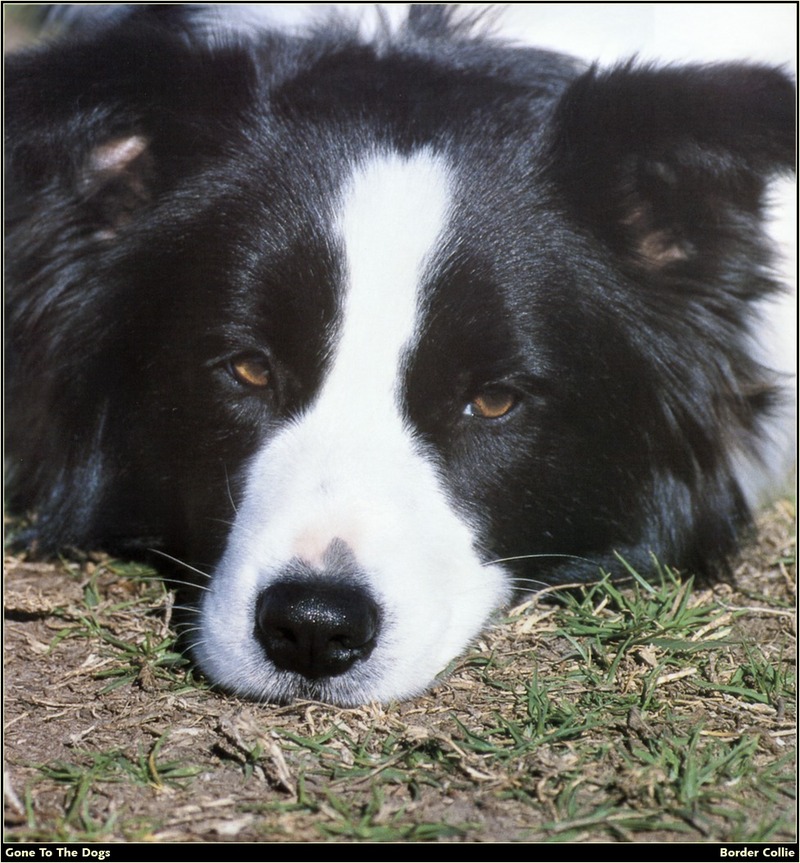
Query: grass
point(657, 712)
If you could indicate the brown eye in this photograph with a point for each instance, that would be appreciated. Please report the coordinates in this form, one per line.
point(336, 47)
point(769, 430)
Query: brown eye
point(491, 404)
point(252, 370)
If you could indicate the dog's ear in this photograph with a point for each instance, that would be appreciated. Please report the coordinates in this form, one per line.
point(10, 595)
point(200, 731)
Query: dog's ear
point(99, 122)
point(667, 166)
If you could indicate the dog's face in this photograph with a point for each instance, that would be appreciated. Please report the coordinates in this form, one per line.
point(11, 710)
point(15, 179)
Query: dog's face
point(351, 568)
point(390, 422)
point(397, 420)
point(376, 337)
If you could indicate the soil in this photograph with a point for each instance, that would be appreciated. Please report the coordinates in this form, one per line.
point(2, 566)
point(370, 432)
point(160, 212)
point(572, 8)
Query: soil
point(243, 782)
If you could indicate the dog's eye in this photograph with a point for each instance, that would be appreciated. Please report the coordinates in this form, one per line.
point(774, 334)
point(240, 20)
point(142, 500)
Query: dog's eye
point(252, 370)
point(492, 404)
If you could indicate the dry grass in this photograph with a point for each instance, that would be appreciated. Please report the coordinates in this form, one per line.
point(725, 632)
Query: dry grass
point(659, 713)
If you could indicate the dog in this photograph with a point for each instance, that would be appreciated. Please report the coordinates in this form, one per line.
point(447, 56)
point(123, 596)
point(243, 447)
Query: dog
point(374, 335)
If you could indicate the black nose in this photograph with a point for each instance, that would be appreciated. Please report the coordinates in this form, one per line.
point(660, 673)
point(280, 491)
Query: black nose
point(316, 628)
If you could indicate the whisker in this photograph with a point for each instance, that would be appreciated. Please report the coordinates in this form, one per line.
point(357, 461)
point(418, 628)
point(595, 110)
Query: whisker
point(540, 556)
point(230, 524)
point(183, 565)
point(228, 489)
point(554, 588)
point(190, 648)
point(531, 583)
point(189, 609)
point(225, 522)
point(168, 579)
point(187, 625)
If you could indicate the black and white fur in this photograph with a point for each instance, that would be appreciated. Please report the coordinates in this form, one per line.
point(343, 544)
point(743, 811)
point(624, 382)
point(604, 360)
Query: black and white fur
point(380, 332)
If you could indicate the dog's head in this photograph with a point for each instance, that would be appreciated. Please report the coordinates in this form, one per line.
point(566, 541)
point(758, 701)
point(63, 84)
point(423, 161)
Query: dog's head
point(377, 334)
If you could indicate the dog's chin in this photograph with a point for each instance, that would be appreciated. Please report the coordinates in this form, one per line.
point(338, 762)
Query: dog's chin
point(366, 683)
point(354, 689)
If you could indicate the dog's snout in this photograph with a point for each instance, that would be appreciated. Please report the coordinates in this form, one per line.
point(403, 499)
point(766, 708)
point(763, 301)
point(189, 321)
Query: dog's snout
point(316, 628)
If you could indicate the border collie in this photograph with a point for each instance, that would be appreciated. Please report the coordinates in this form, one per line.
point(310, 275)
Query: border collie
point(379, 333)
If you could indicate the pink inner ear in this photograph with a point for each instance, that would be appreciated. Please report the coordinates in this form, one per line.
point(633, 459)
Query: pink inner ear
point(660, 248)
point(115, 156)
point(117, 181)
point(656, 246)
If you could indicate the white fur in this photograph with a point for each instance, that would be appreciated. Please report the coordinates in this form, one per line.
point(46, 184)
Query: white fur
point(351, 470)
point(601, 32)
point(298, 18)
point(771, 470)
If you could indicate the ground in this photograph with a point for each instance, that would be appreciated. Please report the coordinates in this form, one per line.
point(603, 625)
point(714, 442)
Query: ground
point(662, 713)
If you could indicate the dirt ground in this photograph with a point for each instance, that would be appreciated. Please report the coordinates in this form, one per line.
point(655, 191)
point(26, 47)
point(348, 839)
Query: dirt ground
point(106, 741)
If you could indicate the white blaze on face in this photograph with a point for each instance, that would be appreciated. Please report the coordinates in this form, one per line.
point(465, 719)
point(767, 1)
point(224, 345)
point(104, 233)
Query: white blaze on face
point(349, 469)
point(393, 213)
